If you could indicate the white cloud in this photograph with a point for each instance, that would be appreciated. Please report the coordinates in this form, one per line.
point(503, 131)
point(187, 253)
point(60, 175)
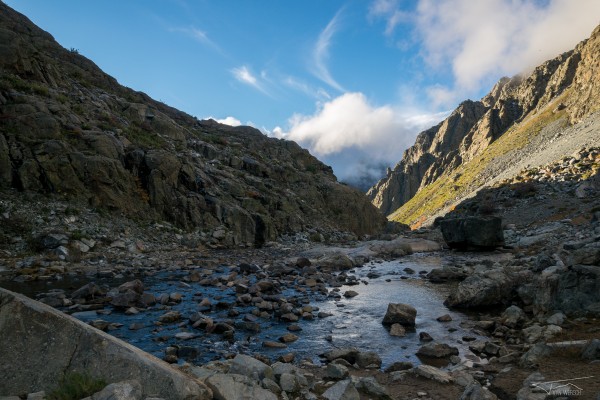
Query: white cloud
point(321, 54)
point(244, 75)
point(484, 40)
point(229, 121)
point(354, 135)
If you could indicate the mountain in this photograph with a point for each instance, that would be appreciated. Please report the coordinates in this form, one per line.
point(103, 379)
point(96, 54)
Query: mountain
point(453, 159)
point(70, 131)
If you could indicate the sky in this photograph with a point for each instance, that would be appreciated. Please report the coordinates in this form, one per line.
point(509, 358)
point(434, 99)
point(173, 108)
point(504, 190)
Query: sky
point(353, 81)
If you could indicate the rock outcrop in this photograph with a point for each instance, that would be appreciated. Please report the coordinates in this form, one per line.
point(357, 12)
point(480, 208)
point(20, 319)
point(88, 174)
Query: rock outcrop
point(69, 129)
point(63, 344)
point(473, 232)
point(570, 80)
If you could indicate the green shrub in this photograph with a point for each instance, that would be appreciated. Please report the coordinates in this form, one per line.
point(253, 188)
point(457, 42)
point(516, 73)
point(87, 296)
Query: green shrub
point(76, 386)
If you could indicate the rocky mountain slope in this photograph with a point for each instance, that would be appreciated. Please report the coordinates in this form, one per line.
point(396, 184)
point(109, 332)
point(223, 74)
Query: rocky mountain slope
point(70, 131)
point(451, 160)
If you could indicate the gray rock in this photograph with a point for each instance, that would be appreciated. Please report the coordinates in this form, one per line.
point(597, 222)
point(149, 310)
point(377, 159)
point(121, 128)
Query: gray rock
point(399, 366)
point(126, 390)
point(533, 333)
point(271, 385)
point(237, 387)
point(556, 319)
point(37, 396)
point(512, 317)
point(473, 232)
point(529, 391)
point(397, 330)
point(433, 373)
point(250, 367)
point(371, 387)
point(366, 359)
point(292, 383)
point(592, 350)
point(280, 368)
point(535, 354)
point(484, 288)
point(76, 347)
point(336, 371)
point(437, 350)
point(54, 240)
point(348, 354)
point(338, 261)
point(343, 390)
point(475, 392)
point(398, 313)
point(87, 291)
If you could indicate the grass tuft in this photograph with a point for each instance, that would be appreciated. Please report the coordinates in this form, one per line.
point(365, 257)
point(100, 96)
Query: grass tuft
point(76, 386)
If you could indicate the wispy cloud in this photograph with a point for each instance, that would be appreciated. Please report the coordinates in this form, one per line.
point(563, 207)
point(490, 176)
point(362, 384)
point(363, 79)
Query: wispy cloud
point(301, 86)
point(388, 9)
point(244, 74)
point(321, 53)
point(484, 40)
point(200, 36)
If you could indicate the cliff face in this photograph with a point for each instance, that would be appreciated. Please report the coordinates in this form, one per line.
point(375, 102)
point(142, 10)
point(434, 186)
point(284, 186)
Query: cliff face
point(68, 129)
point(473, 126)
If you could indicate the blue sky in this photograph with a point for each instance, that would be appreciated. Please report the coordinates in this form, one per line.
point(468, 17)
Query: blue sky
point(353, 81)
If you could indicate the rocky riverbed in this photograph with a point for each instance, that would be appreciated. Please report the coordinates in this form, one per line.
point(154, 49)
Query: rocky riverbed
point(312, 316)
point(487, 325)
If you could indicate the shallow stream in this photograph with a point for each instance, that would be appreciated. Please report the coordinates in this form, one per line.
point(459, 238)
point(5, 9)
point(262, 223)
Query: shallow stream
point(355, 322)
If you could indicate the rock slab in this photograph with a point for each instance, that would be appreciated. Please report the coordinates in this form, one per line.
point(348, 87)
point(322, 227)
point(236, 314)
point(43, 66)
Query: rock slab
point(39, 338)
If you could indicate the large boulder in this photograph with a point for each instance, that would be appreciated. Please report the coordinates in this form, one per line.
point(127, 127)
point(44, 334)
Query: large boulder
point(473, 232)
point(36, 337)
point(484, 288)
point(250, 367)
point(398, 313)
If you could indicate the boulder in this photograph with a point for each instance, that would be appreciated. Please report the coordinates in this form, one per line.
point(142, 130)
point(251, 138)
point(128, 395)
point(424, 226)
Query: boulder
point(371, 387)
point(76, 347)
point(437, 350)
point(336, 371)
point(592, 350)
point(433, 373)
point(343, 390)
point(512, 317)
point(237, 387)
point(474, 391)
point(337, 261)
point(250, 367)
point(478, 233)
point(348, 354)
point(365, 359)
point(398, 313)
point(484, 288)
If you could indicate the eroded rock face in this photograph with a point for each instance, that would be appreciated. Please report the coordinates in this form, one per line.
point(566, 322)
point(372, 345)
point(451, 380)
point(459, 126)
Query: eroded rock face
point(68, 128)
point(473, 126)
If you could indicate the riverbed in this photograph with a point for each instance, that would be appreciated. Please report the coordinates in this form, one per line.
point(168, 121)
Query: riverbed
point(347, 322)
